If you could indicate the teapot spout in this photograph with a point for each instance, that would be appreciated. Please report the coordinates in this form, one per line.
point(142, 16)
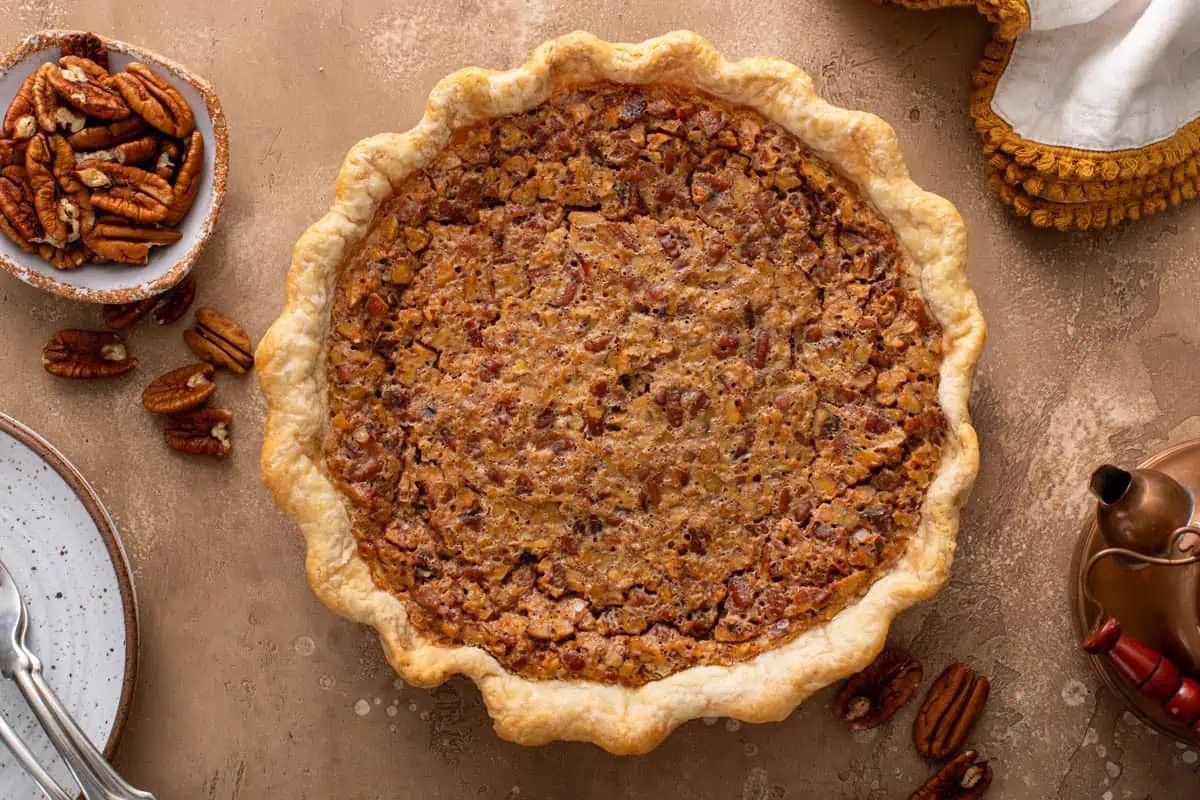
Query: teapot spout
point(1139, 510)
point(1109, 484)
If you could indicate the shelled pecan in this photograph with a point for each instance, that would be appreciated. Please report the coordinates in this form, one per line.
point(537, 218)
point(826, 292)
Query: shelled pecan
point(86, 354)
point(120, 316)
point(180, 389)
point(126, 191)
point(175, 302)
point(20, 121)
point(204, 432)
point(116, 239)
point(220, 341)
point(81, 83)
point(874, 695)
point(966, 777)
point(187, 180)
point(954, 703)
point(155, 100)
point(18, 217)
point(85, 45)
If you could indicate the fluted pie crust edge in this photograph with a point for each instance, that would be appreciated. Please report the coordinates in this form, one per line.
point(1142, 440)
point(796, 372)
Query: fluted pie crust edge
point(291, 367)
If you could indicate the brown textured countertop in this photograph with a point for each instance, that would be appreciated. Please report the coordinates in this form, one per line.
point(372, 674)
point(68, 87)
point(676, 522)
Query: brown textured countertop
point(249, 688)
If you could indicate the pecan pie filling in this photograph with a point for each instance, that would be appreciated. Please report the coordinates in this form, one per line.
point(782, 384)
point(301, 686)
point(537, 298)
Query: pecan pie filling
point(628, 383)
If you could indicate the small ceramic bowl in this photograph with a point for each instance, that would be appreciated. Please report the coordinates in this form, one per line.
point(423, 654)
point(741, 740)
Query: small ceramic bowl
point(121, 283)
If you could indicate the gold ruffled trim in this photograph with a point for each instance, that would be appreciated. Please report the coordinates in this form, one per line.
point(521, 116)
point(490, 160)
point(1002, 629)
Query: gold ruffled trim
point(1087, 215)
point(1065, 187)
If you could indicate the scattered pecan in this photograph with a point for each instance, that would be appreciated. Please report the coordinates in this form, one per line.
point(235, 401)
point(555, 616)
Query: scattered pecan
point(155, 100)
point(873, 696)
point(967, 777)
point(180, 389)
point(81, 83)
point(18, 218)
point(220, 341)
point(86, 354)
point(100, 138)
point(175, 302)
point(114, 239)
point(952, 706)
point(85, 45)
point(203, 432)
point(20, 120)
point(127, 191)
point(187, 180)
point(125, 315)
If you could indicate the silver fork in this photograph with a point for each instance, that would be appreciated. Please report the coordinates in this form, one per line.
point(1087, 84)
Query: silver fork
point(96, 778)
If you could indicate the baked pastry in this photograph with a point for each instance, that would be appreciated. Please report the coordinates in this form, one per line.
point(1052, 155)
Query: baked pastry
point(631, 383)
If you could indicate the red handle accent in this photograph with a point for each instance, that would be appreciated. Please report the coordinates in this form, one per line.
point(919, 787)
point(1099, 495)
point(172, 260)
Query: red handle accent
point(1154, 676)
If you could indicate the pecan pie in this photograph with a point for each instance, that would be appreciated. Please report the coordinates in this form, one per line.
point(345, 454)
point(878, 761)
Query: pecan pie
point(632, 384)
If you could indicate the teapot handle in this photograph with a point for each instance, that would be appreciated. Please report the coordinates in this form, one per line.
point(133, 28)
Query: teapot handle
point(1191, 555)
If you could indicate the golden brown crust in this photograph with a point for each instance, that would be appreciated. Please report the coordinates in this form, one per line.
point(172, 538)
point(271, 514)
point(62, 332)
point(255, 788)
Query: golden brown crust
point(620, 719)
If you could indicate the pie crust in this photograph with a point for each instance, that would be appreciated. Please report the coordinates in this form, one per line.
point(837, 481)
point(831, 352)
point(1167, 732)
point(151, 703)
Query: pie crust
point(292, 359)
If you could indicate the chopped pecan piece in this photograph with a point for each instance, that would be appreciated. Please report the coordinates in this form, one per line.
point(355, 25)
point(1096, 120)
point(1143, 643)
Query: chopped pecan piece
point(86, 354)
point(20, 120)
point(81, 83)
point(220, 341)
point(202, 432)
point(873, 696)
point(155, 100)
point(967, 777)
point(127, 191)
point(951, 708)
point(168, 159)
point(180, 389)
point(187, 180)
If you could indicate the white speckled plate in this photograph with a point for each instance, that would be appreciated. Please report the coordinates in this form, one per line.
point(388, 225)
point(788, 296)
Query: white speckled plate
point(62, 549)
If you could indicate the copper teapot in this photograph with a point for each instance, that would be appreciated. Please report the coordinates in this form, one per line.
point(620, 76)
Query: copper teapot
point(1143, 517)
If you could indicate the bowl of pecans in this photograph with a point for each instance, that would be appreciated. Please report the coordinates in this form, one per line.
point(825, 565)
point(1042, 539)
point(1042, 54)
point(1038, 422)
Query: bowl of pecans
point(113, 167)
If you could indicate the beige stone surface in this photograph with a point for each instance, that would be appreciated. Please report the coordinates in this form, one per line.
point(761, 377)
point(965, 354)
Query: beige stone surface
point(250, 689)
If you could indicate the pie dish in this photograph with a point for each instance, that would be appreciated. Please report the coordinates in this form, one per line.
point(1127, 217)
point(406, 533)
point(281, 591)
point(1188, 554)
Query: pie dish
point(631, 383)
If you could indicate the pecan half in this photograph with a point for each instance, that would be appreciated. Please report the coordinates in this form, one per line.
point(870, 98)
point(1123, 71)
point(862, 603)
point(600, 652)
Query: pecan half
point(203, 432)
point(134, 152)
point(125, 315)
point(954, 703)
point(81, 83)
point(12, 152)
point(874, 695)
point(187, 180)
point(101, 137)
point(45, 101)
point(81, 199)
point(180, 389)
point(126, 191)
point(39, 162)
point(168, 159)
point(18, 218)
point(175, 302)
point(20, 120)
point(127, 242)
point(155, 100)
point(64, 258)
point(86, 354)
point(967, 777)
point(220, 341)
point(85, 45)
